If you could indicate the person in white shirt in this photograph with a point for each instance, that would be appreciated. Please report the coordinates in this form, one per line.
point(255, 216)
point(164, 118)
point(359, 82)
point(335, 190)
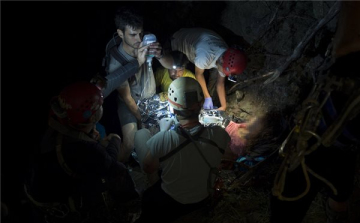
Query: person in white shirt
point(186, 156)
point(207, 50)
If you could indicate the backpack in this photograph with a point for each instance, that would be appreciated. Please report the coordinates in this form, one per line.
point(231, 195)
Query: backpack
point(111, 50)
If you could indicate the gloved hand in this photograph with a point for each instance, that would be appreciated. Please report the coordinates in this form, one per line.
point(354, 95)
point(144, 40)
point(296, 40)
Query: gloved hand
point(208, 104)
point(166, 123)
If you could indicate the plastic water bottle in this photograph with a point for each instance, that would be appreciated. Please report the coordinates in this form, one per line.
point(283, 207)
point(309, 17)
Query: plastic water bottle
point(149, 38)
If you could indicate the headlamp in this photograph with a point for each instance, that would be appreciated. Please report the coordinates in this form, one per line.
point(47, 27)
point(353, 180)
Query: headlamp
point(178, 67)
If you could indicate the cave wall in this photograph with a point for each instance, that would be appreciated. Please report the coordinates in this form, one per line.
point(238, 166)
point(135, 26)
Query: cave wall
point(273, 30)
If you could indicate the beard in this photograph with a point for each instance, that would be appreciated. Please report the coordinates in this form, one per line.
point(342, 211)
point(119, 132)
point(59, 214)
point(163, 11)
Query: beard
point(134, 46)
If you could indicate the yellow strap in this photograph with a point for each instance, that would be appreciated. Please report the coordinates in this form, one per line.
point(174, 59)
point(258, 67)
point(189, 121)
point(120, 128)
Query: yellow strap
point(60, 156)
point(45, 205)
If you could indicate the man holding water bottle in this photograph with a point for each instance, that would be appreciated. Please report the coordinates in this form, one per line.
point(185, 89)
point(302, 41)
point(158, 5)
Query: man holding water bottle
point(129, 36)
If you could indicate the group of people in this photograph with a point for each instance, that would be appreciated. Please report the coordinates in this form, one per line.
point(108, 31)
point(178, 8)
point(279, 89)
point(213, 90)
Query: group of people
point(77, 169)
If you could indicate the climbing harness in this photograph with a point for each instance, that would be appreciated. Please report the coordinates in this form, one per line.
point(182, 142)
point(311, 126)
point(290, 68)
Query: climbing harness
point(304, 139)
point(61, 209)
point(194, 139)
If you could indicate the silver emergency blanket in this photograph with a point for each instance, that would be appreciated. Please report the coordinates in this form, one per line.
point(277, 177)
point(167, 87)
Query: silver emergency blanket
point(212, 117)
point(153, 110)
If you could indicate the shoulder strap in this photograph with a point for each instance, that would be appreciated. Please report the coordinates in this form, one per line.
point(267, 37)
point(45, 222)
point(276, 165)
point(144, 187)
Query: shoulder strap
point(63, 130)
point(112, 49)
point(213, 170)
point(209, 141)
point(61, 159)
point(186, 142)
point(172, 152)
point(199, 138)
point(179, 147)
point(190, 137)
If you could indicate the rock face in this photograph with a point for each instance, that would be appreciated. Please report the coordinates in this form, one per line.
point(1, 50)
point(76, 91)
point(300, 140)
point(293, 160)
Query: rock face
point(273, 30)
point(269, 32)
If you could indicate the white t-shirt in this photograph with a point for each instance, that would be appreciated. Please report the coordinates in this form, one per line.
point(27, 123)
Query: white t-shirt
point(185, 174)
point(203, 47)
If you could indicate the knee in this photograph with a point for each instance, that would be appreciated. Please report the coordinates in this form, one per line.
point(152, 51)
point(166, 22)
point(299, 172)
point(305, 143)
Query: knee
point(142, 135)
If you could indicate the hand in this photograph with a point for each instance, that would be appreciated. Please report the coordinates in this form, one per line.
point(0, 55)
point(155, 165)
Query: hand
point(156, 50)
point(111, 135)
point(166, 123)
point(105, 141)
point(208, 104)
point(142, 52)
point(95, 134)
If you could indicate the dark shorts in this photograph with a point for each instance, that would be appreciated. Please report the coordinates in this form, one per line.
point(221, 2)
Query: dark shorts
point(124, 114)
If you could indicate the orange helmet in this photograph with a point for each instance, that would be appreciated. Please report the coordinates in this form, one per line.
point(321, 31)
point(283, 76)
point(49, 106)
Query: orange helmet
point(78, 102)
point(234, 61)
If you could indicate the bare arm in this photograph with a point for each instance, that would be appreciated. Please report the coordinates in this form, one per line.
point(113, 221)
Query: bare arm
point(151, 164)
point(166, 60)
point(115, 78)
point(220, 87)
point(199, 74)
point(129, 101)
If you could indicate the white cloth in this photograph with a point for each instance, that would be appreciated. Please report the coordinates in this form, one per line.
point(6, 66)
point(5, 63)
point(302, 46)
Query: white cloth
point(185, 174)
point(203, 47)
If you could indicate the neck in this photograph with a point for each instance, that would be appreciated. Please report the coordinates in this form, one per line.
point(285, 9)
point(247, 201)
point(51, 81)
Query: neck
point(189, 123)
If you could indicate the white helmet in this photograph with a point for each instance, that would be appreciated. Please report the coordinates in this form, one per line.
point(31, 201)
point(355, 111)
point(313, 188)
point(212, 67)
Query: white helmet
point(184, 92)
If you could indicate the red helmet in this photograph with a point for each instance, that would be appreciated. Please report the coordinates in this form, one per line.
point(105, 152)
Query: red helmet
point(79, 101)
point(234, 62)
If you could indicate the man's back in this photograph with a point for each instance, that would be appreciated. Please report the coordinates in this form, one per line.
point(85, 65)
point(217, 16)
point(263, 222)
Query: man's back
point(185, 174)
point(202, 46)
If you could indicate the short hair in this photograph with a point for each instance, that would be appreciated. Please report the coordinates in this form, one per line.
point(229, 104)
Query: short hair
point(180, 59)
point(128, 16)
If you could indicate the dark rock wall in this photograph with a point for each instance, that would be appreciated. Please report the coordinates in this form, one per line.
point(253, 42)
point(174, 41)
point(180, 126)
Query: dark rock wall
point(274, 29)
